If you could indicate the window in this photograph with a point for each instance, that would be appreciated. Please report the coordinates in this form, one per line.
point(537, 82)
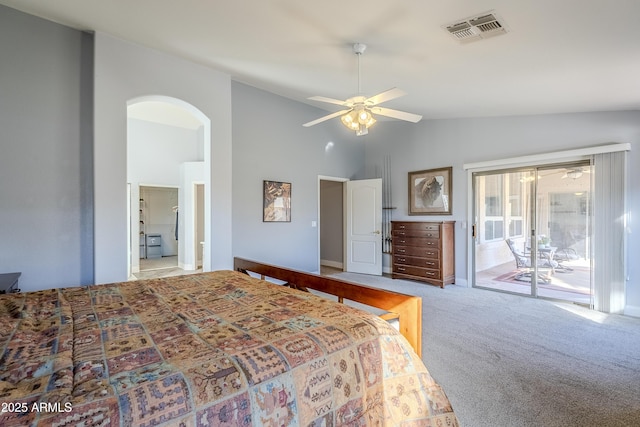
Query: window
point(503, 205)
point(515, 191)
point(493, 208)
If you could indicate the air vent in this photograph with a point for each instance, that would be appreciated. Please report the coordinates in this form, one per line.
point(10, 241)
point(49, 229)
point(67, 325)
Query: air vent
point(478, 27)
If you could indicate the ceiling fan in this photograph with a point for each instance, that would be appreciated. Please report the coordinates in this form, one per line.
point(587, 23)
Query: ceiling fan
point(360, 110)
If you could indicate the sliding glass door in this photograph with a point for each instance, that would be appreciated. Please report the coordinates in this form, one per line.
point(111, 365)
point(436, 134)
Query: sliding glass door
point(532, 229)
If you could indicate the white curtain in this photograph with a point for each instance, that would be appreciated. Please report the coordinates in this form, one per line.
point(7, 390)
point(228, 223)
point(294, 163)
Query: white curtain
point(609, 231)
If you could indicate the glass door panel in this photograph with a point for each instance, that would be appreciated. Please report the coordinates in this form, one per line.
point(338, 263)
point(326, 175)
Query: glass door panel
point(563, 232)
point(532, 232)
point(502, 220)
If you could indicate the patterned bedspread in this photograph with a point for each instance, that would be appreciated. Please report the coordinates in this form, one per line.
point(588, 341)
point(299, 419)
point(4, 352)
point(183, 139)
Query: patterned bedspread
point(217, 348)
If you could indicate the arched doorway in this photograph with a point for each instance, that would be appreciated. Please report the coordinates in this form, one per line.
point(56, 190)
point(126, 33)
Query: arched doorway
point(167, 139)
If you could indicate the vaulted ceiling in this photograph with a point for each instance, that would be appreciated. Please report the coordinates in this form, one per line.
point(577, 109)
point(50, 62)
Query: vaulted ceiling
point(555, 56)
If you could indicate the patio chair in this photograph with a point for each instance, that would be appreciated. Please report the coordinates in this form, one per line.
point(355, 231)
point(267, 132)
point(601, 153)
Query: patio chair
point(523, 264)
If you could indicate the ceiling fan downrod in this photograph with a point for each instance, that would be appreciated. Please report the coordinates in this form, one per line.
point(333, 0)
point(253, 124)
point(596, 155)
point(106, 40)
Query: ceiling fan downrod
point(359, 49)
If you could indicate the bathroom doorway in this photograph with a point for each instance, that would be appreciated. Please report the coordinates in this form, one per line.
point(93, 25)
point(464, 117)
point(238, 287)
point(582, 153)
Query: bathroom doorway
point(158, 235)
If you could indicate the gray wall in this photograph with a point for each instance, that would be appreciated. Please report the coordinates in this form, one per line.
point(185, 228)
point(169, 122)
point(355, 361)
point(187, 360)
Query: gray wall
point(46, 165)
point(270, 143)
point(437, 143)
point(126, 72)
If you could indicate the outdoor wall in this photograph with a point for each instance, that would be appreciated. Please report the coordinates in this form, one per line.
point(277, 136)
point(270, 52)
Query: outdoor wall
point(46, 165)
point(275, 146)
point(438, 143)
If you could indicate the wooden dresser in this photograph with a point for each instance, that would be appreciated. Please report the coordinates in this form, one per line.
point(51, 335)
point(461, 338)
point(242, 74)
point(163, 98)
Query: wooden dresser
point(423, 251)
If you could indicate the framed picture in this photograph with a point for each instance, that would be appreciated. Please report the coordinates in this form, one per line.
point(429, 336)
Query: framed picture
point(276, 201)
point(430, 192)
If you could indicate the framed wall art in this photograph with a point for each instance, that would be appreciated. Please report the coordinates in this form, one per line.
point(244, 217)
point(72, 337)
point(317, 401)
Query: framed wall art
point(276, 201)
point(430, 192)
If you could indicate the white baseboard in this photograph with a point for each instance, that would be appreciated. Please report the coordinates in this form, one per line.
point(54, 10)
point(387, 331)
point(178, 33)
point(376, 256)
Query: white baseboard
point(329, 263)
point(632, 310)
point(462, 282)
point(185, 266)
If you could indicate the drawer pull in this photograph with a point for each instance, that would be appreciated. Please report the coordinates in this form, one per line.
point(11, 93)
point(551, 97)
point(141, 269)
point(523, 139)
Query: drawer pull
point(401, 233)
point(400, 269)
point(429, 273)
point(402, 260)
point(430, 243)
point(402, 241)
point(401, 250)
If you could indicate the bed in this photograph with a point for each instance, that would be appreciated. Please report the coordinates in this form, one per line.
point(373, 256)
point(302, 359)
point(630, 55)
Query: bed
point(218, 348)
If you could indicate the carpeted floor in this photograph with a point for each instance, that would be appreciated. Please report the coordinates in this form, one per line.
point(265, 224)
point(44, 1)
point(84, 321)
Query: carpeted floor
point(506, 360)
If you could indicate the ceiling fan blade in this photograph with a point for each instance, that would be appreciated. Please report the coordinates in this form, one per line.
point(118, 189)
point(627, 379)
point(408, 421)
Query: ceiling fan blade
point(328, 100)
point(388, 112)
point(327, 117)
point(385, 96)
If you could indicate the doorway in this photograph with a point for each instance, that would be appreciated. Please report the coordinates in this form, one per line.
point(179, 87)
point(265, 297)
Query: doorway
point(331, 225)
point(350, 213)
point(158, 233)
point(167, 144)
point(532, 231)
point(198, 239)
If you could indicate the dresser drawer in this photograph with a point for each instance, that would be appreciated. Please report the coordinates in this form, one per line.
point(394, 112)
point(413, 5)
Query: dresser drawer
point(416, 226)
point(416, 261)
point(417, 233)
point(417, 251)
point(417, 271)
point(426, 242)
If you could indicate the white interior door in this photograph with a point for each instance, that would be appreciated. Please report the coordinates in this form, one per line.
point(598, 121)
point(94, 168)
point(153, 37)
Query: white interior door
point(364, 226)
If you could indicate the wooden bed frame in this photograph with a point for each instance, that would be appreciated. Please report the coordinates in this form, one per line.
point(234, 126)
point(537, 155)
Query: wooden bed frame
point(406, 308)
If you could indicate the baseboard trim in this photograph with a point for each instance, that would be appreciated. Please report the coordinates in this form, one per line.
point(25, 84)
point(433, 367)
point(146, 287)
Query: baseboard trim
point(329, 263)
point(186, 267)
point(632, 310)
point(462, 282)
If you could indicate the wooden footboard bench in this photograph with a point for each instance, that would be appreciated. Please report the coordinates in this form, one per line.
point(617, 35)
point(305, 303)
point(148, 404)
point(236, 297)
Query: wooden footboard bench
point(406, 308)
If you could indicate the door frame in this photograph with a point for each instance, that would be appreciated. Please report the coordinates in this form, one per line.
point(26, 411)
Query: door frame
point(523, 161)
point(529, 224)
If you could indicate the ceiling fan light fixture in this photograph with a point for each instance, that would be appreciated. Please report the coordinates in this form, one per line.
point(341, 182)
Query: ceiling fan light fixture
point(359, 120)
point(363, 130)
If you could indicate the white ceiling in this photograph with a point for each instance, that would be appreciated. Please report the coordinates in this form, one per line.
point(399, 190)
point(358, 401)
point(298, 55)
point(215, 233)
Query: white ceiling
point(558, 55)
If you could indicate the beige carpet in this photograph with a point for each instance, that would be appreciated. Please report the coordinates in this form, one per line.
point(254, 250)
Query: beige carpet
point(506, 360)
